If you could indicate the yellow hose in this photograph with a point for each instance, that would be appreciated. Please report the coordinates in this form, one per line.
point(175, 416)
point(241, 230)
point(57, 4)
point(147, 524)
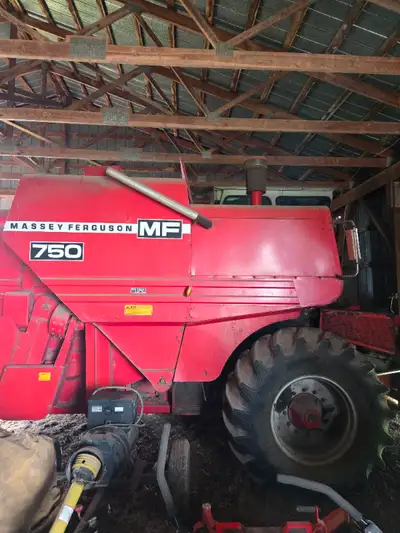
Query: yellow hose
point(83, 461)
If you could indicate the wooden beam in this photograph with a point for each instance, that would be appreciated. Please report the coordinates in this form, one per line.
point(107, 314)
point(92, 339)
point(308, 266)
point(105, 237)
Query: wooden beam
point(205, 158)
point(251, 20)
point(5, 176)
point(350, 17)
point(201, 22)
point(271, 110)
point(178, 57)
point(297, 20)
point(270, 21)
point(177, 73)
point(186, 23)
point(379, 180)
point(25, 67)
point(126, 94)
point(6, 15)
point(107, 88)
point(32, 66)
point(60, 116)
point(391, 5)
point(7, 193)
point(387, 45)
point(32, 100)
point(355, 85)
point(255, 106)
point(239, 99)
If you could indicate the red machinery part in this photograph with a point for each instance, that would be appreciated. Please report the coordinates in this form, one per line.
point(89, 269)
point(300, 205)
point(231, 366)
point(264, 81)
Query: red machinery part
point(256, 197)
point(121, 263)
point(376, 331)
point(329, 524)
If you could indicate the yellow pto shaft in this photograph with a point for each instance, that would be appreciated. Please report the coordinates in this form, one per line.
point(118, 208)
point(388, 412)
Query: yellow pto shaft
point(85, 470)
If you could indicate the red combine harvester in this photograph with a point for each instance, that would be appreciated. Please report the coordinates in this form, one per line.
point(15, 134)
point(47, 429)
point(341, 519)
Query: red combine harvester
point(104, 285)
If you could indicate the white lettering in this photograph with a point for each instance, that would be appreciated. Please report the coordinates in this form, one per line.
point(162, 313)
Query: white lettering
point(170, 227)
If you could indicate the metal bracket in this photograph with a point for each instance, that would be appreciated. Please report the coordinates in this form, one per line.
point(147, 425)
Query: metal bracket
point(224, 49)
point(88, 47)
point(207, 154)
point(115, 116)
point(131, 154)
point(213, 116)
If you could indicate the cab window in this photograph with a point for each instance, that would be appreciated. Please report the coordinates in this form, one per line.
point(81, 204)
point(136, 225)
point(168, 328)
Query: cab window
point(300, 201)
point(243, 199)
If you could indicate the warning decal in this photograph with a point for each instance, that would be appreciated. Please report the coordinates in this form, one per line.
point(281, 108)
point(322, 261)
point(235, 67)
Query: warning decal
point(138, 310)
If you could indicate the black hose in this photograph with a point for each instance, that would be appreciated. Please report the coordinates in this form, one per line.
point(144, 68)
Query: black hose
point(160, 471)
point(322, 489)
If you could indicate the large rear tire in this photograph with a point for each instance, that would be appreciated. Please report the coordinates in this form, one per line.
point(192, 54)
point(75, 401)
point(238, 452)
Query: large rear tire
point(305, 402)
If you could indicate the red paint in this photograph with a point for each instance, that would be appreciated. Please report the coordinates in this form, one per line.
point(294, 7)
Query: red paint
point(328, 524)
point(303, 412)
point(256, 197)
point(253, 268)
point(376, 331)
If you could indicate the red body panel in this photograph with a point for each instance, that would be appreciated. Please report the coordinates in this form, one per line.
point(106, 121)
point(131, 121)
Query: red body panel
point(153, 309)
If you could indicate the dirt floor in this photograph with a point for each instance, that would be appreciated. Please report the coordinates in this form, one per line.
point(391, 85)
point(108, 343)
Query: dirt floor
point(219, 479)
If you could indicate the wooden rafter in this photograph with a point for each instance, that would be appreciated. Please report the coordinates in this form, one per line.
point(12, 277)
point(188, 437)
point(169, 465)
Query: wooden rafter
point(106, 88)
point(253, 105)
point(201, 184)
point(187, 23)
point(176, 57)
point(205, 158)
point(205, 28)
point(201, 123)
point(239, 99)
point(172, 44)
point(175, 71)
point(379, 180)
point(271, 110)
point(283, 14)
point(383, 49)
point(350, 18)
point(251, 20)
point(162, 61)
point(391, 5)
point(209, 18)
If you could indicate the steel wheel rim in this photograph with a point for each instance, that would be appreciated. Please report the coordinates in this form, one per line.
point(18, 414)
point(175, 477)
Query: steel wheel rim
point(313, 420)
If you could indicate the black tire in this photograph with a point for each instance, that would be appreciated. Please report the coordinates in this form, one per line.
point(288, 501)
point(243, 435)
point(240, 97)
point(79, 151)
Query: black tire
point(178, 473)
point(278, 360)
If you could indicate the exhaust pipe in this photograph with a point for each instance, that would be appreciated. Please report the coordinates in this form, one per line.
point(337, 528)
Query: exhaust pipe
point(197, 218)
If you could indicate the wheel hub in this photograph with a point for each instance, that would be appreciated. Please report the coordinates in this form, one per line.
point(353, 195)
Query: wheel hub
point(313, 420)
point(305, 411)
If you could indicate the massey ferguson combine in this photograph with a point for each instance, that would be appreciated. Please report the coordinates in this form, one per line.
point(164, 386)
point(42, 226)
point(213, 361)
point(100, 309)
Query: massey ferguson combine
point(109, 282)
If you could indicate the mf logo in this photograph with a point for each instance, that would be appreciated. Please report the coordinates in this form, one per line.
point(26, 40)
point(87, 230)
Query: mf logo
point(159, 229)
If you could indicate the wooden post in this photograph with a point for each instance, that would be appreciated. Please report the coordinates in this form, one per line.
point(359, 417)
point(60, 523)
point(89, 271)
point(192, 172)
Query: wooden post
point(396, 224)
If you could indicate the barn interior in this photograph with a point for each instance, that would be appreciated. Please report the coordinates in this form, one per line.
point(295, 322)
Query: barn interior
point(207, 91)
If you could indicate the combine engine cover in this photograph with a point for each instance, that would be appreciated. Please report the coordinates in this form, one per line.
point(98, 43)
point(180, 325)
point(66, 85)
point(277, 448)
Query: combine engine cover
point(100, 285)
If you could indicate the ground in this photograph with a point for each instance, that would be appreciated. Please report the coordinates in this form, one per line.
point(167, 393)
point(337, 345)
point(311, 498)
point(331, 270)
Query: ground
point(218, 478)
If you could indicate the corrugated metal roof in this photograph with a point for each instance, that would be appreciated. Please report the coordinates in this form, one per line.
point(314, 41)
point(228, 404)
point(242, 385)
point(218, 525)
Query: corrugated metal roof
point(320, 25)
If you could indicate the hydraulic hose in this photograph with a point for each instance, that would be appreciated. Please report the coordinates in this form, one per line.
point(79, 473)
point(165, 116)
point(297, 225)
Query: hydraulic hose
point(322, 489)
point(85, 470)
point(199, 219)
point(160, 472)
